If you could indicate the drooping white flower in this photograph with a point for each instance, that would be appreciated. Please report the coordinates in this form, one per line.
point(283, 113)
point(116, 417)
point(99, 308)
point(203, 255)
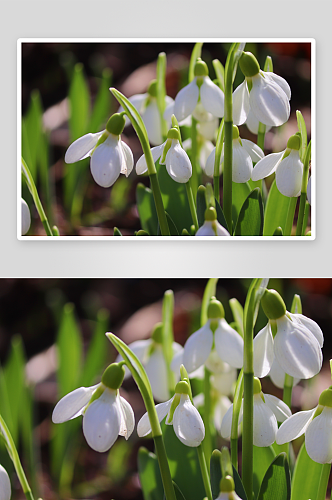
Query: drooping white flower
point(277, 375)
point(25, 217)
point(253, 123)
point(110, 156)
point(268, 411)
point(150, 354)
point(106, 414)
point(317, 426)
point(205, 149)
point(182, 414)
point(211, 226)
point(287, 167)
point(298, 340)
point(5, 487)
point(269, 93)
point(244, 154)
point(172, 155)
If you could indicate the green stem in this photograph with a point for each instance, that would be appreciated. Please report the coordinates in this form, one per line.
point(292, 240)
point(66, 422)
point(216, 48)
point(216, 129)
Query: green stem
point(164, 229)
point(207, 443)
point(164, 468)
point(191, 202)
point(248, 409)
point(261, 135)
point(304, 185)
point(323, 483)
point(194, 148)
point(237, 401)
point(216, 172)
point(204, 472)
point(16, 459)
point(228, 143)
point(288, 388)
point(290, 216)
point(305, 219)
point(299, 227)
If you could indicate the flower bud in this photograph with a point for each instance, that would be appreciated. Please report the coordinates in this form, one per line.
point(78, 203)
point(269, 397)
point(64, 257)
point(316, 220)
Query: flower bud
point(113, 376)
point(249, 64)
point(157, 333)
point(227, 485)
point(116, 124)
point(210, 214)
point(201, 68)
point(257, 386)
point(294, 142)
point(273, 305)
point(215, 309)
point(152, 89)
point(236, 133)
point(325, 399)
point(182, 387)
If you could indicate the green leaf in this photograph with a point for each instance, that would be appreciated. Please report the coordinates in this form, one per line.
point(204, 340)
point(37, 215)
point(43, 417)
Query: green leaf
point(220, 73)
point(307, 477)
point(149, 475)
point(251, 216)
point(220, 215)
point(146, 209)
point(101, 109)
point(196, 52)
point(178, 493)
point(215, 473)
point(172, 227)
point(168, 337)
point(79, 103)
point(239, 488)
point(240, 192)
point(116, 232)
point(237, 311)
point(33, 123)
point(201, 205)
point(210, 291)
point(276, 484)
point(263, 457)
point(276, 211)
point(278, 232)
point(161, 90)
point(303, 131)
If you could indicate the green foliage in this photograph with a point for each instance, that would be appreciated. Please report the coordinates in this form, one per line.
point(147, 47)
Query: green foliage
point(239, 194)
point(263, 457)
point(149, 475)
point(276, 211)
point(146, 209)
point(307, 477)
point(251, 216)
point(276, 484)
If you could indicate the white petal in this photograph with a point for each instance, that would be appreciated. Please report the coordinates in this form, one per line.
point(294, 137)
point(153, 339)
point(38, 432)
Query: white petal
point(138, 100)
point(187, 423)
point(253, 123)
point(25, 217)
point(279, 408)
point(212, 97)
point(151, 119)
point(277, 375)
point(178, 164)
point(253, 150)
point(157, 374)
point(102, 422)
point(265, 423)
point(206, 229)
point(197, 348)
point(279, 81)
point(208, 129)
point(127, 417)
point(242, 164)
point(266, 166)
point(263, 352)
point(71, 405)
point(268, 101)
point(318, 437)
point(177, 360)
point(229, 344)
point(289, 175)
point(309, 190)
point(311, 325)
point(220, 230)
point(128, 159)
point(226, 424)
point(141, 166)
point(5, 487)
point(220, 411)
point(200, 114)
point(206, 149)
point(140, 348)
point(144, 426)
point(82, 147)
point(294, 426)
point(297, 350)
point(209, 166)
point(224, 382)
point(186, 100)
point(106, 162)
point(240, 103)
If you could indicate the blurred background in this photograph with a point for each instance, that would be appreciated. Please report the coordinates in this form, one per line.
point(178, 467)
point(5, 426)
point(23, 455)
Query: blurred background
point(52, 340)
point(65, 95)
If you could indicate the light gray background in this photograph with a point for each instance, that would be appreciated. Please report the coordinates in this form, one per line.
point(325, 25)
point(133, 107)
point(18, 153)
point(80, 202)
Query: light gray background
point(160, 18)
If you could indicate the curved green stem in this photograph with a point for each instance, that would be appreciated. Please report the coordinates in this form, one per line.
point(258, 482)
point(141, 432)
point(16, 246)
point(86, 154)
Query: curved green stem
point(288, 388)
point(191, 202)
point(216, 172)
point(194, 149)
point(323, 483)
point(228, 143)
point(207, 443)
point(303, 198)
point(237, 401)
point(290, 216)
point(204, 472)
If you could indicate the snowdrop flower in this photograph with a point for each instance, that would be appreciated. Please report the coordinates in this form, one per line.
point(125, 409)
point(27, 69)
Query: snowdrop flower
point(172, 155)
point(287, 166)
point(211, 226)
point(298, 340)
point(106, 415)
point(253, 123)
point(269, 94)
point(227, 342)
point(25, 217)
point(150, 354)
point(205, 148)
point(244, 154)
point(5, 487)
point(182, 414)
point(277, 375)
point(309, 190)
point(110, 156)
point(316, 424)
point(227, 489)
point(201, 87)
point(146, 105)
point(268, 411)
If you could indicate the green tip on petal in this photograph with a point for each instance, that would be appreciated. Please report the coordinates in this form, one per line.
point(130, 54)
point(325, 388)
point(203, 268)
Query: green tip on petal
point(152, 89)
point(113, 376)
point(182, 387)
point(226, 485)
point(249, 64)
point(116, 123)
point(294, 142)
point(257, 386)
point(215, 309)
point(273, 305)
point(201, 68)
point(236, 133)
point(210, 214)
point(157, 334)
point(174, 133)
point(325, 399)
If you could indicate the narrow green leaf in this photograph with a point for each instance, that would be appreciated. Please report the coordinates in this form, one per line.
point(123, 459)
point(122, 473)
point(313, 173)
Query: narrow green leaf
point(268, 65)
point(220, 73)
point(79, 103)
point(307, 477)
point(33, 122)
point(196, 52)
point(303, 131)
point(116, 232)
point(149, 475)
point(237, 311)
point(240, 192)
point(161, 90)
point(215, 473)
point(251, 216)
point(220, 215)
point(276, 484)
point(133, 115)
point(102, 105)
point(239, 488)
point(168, 337)
point(263, 458)
point(172, 227)
point(146, 209)
point(210, 291)
point(276, 211)
point(201, 205)
point(278, 232)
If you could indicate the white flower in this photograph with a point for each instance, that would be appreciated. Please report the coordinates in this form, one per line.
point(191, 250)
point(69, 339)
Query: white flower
point(212, 228)
point(177, 161)
point(5, 487)
point(205, 149)
point(106, 414)
point(25, 217)
point(110, 156)
point(150, 354)
point(253, 123)
point(182, 414)
point(317, 426)
point(268, 411)
point(244, 154)
point(277, 375)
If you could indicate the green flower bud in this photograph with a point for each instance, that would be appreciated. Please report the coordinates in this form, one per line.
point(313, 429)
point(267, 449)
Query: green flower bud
point(173, 133)
point(325, 399)
point(152, 89)
point(201, 68)
point(257, 386)
point(113, 376)
point(236, 133)
point(141, 232)
point(182, 388)
point(157, 334)
point(227, 485)
point(273, 305)
point(210, 214)
point(249, 64)
point(294, 142)
point(215, 309)
point(116, 123)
